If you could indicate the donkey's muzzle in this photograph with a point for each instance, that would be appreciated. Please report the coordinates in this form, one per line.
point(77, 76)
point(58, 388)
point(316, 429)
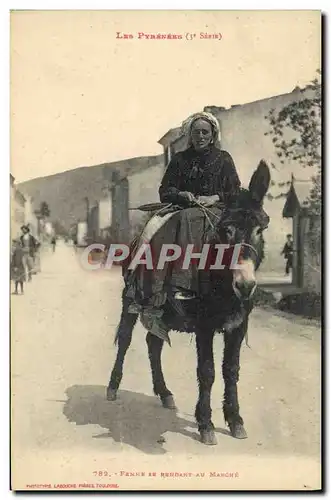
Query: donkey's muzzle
point(244, 289)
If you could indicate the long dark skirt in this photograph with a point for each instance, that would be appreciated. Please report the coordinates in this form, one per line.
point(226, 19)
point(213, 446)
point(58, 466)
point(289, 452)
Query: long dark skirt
point(190, 226)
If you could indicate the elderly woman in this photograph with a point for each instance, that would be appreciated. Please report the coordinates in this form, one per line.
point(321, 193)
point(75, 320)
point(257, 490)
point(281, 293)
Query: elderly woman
point(201, 173)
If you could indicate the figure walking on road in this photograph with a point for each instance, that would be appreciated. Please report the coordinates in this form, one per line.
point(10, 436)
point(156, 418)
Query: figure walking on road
point(53, 243)
point(36, 259)
point(30, 246)
point(17, 266)
point(288, 254)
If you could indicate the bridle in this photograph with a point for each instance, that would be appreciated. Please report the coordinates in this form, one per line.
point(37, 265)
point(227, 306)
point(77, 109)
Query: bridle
point(243, 244)
point(219, 219)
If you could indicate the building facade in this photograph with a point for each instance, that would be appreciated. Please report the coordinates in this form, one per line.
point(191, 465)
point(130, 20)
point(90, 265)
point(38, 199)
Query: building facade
point(30, 216)
point(144, 186)
point(243, 135)
point(93, 230)
point(17, 209)
point(120, 208)
point(128, 184)
point(105, 213)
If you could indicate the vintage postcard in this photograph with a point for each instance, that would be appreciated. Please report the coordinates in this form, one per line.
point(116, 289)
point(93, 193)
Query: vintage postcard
point(165, 270)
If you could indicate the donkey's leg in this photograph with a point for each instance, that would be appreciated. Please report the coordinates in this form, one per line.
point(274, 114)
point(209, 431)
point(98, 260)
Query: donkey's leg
point(124, 336)
point(206, 377)
point(230, 368)
point(155, 345)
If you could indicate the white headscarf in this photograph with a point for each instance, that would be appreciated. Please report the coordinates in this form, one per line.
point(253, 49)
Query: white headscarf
point(203, 115)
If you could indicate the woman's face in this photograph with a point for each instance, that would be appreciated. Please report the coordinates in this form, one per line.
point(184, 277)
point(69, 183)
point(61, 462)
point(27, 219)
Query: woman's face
point(201, 134)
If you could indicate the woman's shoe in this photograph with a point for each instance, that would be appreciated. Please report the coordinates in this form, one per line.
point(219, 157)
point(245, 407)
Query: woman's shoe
point(134, 308)
point(184, 295)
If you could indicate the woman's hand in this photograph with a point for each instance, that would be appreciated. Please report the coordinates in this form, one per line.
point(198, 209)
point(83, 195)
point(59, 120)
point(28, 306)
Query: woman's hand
point(187, 196)
point(208, 201)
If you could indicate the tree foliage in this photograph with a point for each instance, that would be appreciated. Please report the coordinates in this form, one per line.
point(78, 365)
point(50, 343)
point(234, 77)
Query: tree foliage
point(300, 122)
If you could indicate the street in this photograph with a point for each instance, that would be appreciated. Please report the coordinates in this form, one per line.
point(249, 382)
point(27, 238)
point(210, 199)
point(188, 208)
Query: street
point(64, 430)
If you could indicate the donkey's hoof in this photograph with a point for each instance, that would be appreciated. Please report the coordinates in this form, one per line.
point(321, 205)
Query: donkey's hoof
point(208, 437)
point(238, 431)
point(111, 394)
point(169, 402)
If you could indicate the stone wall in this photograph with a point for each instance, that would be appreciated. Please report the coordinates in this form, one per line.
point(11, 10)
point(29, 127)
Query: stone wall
point(120, 210)
point(17, 210)
point(143, 188)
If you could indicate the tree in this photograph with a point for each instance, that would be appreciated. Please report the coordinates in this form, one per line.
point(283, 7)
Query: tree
point(44, 209)
point(301, 122)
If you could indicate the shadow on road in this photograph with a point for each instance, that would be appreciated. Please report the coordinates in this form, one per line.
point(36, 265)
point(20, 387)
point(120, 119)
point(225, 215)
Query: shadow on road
point(134, 419)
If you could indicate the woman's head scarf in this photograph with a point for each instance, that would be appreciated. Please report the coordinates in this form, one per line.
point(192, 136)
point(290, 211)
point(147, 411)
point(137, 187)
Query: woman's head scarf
point(208, 117)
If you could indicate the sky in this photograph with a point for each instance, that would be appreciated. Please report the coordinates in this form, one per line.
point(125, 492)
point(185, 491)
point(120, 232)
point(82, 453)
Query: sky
point(81, 96)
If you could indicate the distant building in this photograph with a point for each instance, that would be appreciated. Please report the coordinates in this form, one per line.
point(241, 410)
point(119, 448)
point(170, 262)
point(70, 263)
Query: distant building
point(30, 216)
point(306, 244)
point(47, 228)
point(144, 181)
point(127, 184)
point(105, 212)
point(93, 223)
point(17, 209)
point(120, 208)
point(80, 233)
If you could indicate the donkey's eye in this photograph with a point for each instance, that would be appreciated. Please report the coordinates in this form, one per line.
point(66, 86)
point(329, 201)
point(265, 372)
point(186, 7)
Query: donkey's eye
point(257, 232)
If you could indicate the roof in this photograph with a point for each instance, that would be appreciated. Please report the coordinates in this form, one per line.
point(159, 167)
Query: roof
point(296, 93)
point(126, 168)
point(144, 163)
point(174, 133)
point(298, 197)
point(302, 190)
point(170, 136)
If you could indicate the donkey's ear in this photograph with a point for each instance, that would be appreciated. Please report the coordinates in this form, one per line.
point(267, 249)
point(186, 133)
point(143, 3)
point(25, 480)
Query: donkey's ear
point(260, 181)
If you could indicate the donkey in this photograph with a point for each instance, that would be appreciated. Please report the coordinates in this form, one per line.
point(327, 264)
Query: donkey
point(241, 223)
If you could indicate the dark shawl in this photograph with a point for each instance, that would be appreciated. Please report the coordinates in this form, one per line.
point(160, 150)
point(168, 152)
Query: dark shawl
point(33, 244)
point(205, 173)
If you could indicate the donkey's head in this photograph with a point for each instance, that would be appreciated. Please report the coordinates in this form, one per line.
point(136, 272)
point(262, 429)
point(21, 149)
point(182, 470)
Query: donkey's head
point(243, 222)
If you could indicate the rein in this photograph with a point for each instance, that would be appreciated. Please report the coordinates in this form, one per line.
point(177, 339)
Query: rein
point(248, 246)
point(218, 219)
point(205, 210)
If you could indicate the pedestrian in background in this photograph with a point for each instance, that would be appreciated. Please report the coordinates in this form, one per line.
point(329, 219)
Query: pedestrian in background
point(288, 254)
point(29, 245)
point(36, 258)
point(53, 241)
point(17, 269)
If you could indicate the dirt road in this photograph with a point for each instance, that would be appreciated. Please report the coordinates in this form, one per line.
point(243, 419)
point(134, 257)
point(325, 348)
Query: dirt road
point(65, 432)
